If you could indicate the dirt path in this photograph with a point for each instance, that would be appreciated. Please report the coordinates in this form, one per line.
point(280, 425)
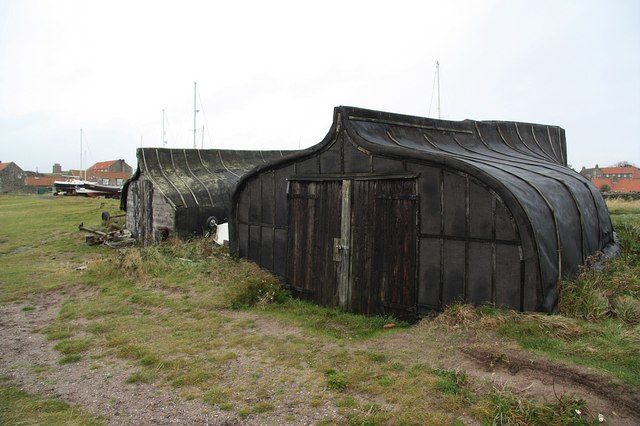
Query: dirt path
point(539, 379)
point(99, 386)
point(553, 379)
point(503, 366)
point(30, 362)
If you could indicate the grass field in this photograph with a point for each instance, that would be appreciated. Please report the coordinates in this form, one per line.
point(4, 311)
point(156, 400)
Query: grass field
point(189, 318)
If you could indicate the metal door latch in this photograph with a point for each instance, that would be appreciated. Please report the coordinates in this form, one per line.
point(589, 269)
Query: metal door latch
point(338, 248)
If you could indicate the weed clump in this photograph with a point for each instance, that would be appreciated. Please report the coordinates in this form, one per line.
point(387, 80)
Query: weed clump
point(216, 396)
point(450, 382)
point(131, 263)
point(458, 315)
point(73, 346)
point(627, 309)
point(140, 377)
point(336, 380)
point(256, 291)
point(70, 359)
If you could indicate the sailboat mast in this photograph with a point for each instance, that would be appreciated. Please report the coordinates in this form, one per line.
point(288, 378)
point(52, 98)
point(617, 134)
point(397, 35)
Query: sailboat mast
point(195, 128)
point(80, 154)
point(438, 76)
point(164, 135)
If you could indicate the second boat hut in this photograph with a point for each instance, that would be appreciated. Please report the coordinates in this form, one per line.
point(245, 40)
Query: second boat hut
point(184, 192)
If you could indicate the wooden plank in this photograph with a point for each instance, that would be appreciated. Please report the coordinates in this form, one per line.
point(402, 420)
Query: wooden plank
point(343, 266)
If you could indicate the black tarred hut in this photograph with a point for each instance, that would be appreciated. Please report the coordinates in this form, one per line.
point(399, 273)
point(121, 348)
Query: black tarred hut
point(399, 214)
point(180, 191)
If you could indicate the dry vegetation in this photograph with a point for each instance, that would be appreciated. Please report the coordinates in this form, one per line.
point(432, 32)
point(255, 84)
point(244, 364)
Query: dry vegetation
point(188, 318)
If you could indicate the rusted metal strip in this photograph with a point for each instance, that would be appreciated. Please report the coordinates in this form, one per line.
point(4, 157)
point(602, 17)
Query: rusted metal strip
point(403, 124)
point(354, 176)
point(470, 239)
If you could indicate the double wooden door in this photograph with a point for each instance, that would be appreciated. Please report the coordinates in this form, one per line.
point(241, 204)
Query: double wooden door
point(352, 243)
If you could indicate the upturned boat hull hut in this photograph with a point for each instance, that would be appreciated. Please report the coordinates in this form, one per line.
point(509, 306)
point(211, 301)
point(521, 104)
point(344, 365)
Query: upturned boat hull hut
point(182, 192)
point(402, 215)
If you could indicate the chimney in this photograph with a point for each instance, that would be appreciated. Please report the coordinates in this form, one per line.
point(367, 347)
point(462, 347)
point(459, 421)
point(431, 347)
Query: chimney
point(57, 169)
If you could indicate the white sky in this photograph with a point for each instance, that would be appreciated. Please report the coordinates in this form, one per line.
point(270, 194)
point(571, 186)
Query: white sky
point(269, 72)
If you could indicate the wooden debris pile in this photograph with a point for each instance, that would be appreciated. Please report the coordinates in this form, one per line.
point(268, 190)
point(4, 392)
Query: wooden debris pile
point(115, 239)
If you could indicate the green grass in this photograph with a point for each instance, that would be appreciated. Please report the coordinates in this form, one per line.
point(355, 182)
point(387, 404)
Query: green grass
point(503, 408)
point(39, 238)
point(143, 376)
point(332, 322)
point(221, 330)
point(337, 380)
point(23, 408)
point(70, 359)
point(73, 346)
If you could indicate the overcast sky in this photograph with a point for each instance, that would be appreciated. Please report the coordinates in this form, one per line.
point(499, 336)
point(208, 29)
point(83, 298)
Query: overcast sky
point(270, 72)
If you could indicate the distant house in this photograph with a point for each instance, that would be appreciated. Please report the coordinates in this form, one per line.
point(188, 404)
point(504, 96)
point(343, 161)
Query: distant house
point(618, 179)
point(11, 177)
point(40, 183)
point(112, 172)
point(111, 166)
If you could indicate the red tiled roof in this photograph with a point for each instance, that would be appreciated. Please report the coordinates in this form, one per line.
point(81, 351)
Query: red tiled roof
point(620, 170)
point(3, 165)
point(101, 165)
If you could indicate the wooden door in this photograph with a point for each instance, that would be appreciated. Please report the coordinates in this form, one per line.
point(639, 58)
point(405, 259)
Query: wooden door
point(314, 223)
point(383, 247)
